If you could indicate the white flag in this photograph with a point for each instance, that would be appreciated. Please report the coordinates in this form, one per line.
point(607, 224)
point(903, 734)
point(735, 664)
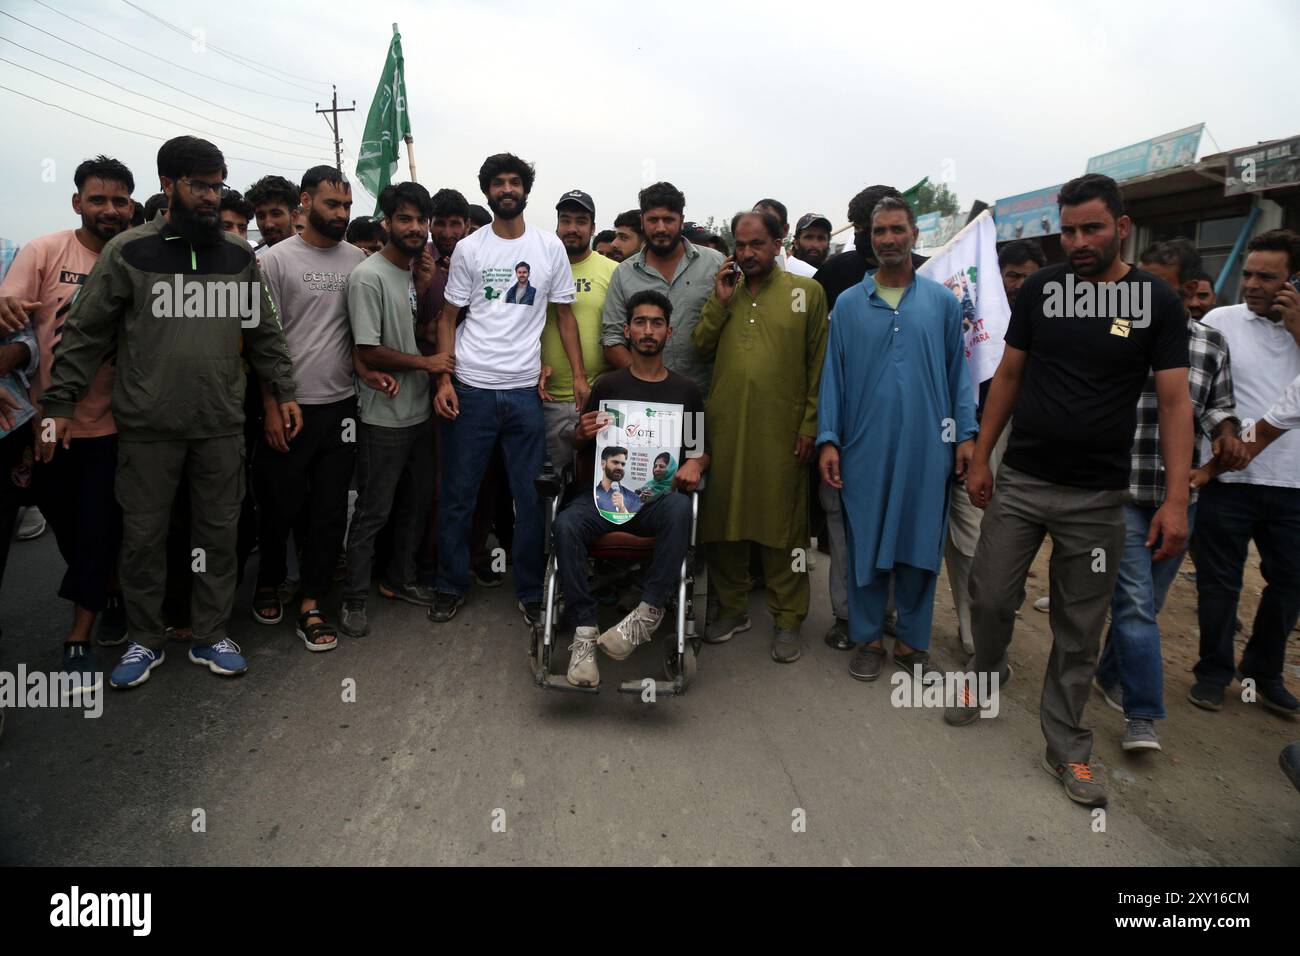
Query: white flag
point(968, 265)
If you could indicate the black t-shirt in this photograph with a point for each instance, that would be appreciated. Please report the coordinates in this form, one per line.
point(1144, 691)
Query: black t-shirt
point(844, 270)
point(676, 389)
point(1076, 413)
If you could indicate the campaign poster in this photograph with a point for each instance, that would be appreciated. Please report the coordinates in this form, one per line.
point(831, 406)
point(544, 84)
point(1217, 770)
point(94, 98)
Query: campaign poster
point(636, 456)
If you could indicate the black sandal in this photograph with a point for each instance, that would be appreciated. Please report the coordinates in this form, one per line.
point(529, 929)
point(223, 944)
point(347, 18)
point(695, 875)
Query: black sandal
point(310, 631)
point(267, 599)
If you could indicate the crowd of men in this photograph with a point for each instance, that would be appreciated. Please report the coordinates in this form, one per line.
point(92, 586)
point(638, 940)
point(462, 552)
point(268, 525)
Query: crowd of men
point(175, 399)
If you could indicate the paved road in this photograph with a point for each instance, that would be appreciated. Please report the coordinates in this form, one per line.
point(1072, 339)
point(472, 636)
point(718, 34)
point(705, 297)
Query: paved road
point(448, 735)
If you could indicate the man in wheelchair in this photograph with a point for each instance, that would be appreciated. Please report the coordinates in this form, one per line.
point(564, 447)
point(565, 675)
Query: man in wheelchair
point(630, 416)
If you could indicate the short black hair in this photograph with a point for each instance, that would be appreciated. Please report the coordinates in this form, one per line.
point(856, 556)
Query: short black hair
point(237, 204)
point(605, 235)
point(392, 198)
point(525, 265)
point(137, 213)
point(1022, 250)
point(649, 297)
point(448, 203)
point(1092, 186)
point(500, 163)
point(897, 203)
point(609, 451)
point(861, 205)
point(102, 167)
point(662, 196)
point(768, 220)
point(365, 229)
point(1180, 253)
point(187, 155)
point(632, 220)
point(1278, 240)
point(273, 189)
point(777, 207)
point(479, 216)
point(322, 174)
point(154, 203)
point(1205, 277)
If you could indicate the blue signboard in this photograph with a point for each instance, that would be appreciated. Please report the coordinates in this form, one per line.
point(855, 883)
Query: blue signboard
point(1028, 215)
point(1150, 156)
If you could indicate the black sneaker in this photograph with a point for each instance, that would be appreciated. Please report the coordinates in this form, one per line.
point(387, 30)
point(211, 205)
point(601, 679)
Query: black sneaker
point(867, 663)
point(354, 621)
point(418, 594)
point(112, 623)
point(79, 665)
point(1274, 695)
point(534, 612)
point(487, 578)
point(917, 663)
point(1206, 696)
point(445, 606)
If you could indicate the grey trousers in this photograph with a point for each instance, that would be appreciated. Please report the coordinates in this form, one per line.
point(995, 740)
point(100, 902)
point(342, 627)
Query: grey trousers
point(561, 418)
point(830, 501)
point(148, 474)
point(964, 521)
point(1087, 529)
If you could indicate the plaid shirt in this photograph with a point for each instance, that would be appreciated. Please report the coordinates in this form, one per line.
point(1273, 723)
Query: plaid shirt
point(1209, 378)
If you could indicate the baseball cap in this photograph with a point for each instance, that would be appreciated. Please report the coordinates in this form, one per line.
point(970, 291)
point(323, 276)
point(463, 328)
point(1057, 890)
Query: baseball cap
point(576, 197)
point(811, 219)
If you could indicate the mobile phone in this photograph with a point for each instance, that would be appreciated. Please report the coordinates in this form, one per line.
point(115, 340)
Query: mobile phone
point(1294, 282)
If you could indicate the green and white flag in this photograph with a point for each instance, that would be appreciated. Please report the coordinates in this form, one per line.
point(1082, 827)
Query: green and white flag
point(386, 124)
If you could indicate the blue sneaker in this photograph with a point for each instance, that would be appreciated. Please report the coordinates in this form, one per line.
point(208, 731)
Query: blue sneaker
point(222, 657)
point(134, 667)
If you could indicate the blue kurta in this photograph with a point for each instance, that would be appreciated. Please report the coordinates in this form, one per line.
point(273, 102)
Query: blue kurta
point(889, 382)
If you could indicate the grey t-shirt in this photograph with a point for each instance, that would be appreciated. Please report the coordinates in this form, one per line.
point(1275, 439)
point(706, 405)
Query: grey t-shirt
point(381, 305)
point(309, 286)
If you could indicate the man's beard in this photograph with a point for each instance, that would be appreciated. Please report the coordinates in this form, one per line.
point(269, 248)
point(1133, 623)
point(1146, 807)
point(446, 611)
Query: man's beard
point(416, 246)
point(653, 347)
point(577, 247)
point(327, 228)
point(814, 257)
point(663, 250)
point(1100, 263)
point(103, 232)
point(515, 213)
point(192, 229)
point(615, 254)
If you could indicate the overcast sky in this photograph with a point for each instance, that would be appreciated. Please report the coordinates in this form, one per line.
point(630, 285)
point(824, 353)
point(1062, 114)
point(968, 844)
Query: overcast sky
point(806, 102)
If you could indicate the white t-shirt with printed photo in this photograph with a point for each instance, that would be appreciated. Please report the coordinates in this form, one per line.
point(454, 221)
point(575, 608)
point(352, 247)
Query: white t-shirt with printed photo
point(507, 284)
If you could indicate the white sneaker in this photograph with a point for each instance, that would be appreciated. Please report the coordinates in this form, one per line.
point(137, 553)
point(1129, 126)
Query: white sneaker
point(637, 628)
point(1043, 604)
point(582, 658)
point(31, 524)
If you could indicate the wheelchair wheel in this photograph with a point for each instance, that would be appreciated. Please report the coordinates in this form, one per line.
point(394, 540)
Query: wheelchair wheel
point(691, 658)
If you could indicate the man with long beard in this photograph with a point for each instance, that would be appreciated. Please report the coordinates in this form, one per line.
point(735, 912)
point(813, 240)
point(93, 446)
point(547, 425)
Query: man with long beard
point(75, 488)
point(161, 295)
point(308, 275)
point(493, 395)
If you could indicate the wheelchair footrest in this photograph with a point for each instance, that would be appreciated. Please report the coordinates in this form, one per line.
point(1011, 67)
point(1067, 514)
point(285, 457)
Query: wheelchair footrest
point(663, 688)
point(560, 682)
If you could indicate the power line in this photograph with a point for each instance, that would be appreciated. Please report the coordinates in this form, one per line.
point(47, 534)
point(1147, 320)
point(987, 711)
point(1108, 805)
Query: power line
point(145, 75)
point(136, 132)
point(155, 56)
point(165, 119)
point(241, 60)
point(203, 116)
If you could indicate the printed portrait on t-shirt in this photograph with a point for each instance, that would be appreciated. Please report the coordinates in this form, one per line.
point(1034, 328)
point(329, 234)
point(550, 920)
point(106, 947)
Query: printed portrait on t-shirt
point(522, 292)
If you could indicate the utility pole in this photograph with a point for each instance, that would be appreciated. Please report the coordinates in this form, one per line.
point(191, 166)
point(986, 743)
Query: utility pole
point(332, 121)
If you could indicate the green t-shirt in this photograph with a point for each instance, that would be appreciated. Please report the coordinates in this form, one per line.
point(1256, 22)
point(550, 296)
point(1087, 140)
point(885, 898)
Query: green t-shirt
point(381, 308)
point(590, 281)
point(892, 296)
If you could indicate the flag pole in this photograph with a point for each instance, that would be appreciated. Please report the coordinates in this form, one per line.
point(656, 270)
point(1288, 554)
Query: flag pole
point(408, 138)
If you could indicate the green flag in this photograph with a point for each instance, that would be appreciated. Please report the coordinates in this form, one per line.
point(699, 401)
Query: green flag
point(386, 124)
point(913, 195)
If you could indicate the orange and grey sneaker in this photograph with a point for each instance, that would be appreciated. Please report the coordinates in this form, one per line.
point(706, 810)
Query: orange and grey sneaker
point(1078, 782)
point(967, 708)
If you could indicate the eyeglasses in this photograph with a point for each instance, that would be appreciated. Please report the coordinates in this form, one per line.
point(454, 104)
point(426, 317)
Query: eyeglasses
point(201, 188)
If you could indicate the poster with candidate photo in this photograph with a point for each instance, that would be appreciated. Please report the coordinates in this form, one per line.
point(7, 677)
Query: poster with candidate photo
point(636, 456)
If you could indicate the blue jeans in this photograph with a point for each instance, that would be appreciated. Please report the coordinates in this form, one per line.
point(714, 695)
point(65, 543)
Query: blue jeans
point(512, 416)
point(1131, 657)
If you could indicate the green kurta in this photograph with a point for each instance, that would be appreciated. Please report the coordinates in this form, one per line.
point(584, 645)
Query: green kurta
point(767, 353)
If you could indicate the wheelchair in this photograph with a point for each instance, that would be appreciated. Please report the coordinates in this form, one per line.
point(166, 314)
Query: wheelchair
point(680, 646)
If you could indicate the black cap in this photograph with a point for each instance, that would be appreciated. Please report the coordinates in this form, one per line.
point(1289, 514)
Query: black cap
point(576, 197)
point(811, 219)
